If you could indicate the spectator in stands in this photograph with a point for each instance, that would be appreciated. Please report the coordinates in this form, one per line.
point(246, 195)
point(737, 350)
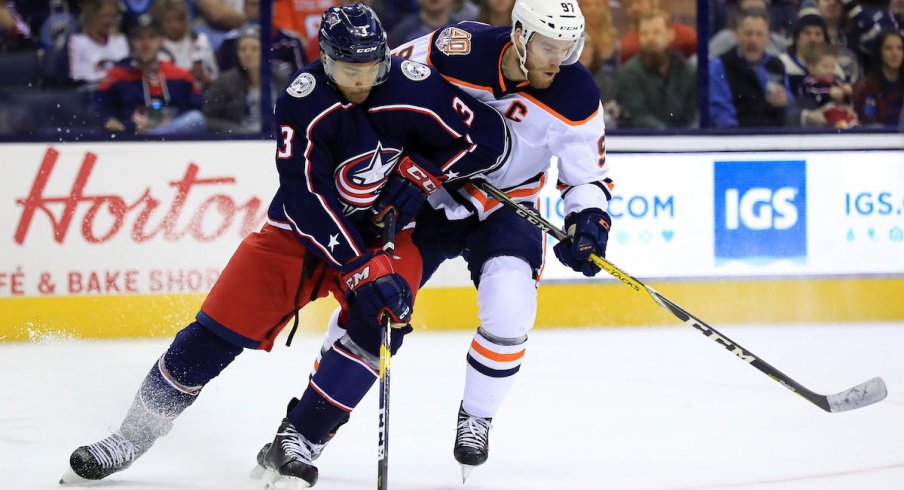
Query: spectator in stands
point(826, 98)
point(810, 32)
point(215, 13)
point(747, 86)
point(836, 21)
point(212, 17)
point(497, 12)
point(145, 95)
point(432, 15)
point(657, 89)
point(726, 39)
point(600, 31)
point(878, 96)
point(100, 45)
point(287, 51)
point(14, 32)
point(186, 49)
point(233, 102)
point(605, 81)
point(685, 37)
point(867, 22)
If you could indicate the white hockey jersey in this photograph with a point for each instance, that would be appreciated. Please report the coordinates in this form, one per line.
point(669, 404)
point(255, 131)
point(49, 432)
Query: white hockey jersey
point(563, 121)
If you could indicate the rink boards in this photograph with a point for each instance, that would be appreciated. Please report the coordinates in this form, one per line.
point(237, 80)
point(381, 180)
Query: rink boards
point(123, 240)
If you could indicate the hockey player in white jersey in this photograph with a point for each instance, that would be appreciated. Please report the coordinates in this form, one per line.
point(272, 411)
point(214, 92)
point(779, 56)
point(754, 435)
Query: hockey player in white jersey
point(529, 74)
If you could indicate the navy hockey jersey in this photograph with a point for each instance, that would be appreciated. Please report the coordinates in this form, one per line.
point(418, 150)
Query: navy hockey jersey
point(333, 163)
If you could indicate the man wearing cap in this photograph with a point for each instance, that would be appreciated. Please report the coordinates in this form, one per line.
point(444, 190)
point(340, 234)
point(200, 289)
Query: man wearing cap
point(143, 95)
point(810, 31)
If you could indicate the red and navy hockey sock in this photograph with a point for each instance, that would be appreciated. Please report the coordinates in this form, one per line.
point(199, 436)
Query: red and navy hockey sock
point(195, 357)
point(343, 378)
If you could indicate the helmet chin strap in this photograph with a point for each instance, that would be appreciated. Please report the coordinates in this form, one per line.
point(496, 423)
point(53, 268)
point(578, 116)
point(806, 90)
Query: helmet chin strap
point(522, 58)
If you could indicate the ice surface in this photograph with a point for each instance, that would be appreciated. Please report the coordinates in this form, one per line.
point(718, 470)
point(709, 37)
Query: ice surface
point(620, 409)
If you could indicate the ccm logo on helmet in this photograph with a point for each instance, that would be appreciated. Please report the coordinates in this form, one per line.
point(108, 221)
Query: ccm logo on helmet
point(366, 50)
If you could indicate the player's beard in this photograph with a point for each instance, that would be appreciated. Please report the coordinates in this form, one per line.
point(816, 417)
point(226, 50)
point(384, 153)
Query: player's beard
point(540, 78)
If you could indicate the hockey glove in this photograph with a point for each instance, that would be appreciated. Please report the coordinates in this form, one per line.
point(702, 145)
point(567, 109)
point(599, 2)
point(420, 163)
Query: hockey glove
point(373, 289)
point(589, 232)
point(406, 191)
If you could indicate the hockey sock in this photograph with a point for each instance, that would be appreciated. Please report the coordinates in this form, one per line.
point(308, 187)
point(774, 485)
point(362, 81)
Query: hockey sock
point(346, 373)
point(194, 358)
point(492, 365)
point(507, 304)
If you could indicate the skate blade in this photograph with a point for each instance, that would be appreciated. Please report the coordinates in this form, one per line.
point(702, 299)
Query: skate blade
point(70, 477)
point(466, 470)
point(272, 480)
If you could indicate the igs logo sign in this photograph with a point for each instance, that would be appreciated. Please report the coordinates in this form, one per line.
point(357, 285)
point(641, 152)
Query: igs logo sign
point(761, 210)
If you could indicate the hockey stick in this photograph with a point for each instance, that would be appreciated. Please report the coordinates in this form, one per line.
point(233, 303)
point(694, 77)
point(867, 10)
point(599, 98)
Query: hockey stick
point(859, 396)
point(389, 224)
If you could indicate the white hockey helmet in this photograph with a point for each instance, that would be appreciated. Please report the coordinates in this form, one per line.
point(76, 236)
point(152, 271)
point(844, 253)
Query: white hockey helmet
point(555, 19)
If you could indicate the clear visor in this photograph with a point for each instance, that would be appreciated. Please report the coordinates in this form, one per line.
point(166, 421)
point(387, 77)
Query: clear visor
point(356, 75)
point(549, 50)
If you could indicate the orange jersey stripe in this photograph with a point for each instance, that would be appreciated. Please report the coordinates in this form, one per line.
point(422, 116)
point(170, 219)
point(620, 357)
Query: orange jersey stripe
point(490, 203)
point(495, 356)
point(499, 66)
point(557, 115)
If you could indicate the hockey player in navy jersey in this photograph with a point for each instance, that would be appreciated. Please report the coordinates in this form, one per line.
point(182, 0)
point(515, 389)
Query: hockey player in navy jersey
point(338, 176)
point(528, 73)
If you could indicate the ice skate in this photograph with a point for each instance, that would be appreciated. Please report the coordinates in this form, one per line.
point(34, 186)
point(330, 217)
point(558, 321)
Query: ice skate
point(101, 459)
point(472, 442)
point(287, 462)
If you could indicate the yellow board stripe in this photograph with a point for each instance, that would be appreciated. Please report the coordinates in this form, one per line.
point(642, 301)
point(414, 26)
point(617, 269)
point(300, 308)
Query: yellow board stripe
point(560, 305)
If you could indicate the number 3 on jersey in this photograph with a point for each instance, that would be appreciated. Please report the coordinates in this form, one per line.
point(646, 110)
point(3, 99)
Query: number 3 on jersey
point(464, 110)
point(284, 152)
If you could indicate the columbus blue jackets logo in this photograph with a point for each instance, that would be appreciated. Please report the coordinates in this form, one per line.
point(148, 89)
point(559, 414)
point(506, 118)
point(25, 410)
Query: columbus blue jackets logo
point(360, 178)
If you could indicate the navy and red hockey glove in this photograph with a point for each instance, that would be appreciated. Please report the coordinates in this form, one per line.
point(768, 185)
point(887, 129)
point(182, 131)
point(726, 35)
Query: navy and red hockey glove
point(589, 233)
point(406, 191)
point(373, 289)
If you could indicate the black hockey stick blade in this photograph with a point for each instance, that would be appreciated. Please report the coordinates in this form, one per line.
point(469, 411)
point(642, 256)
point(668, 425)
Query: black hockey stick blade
point(859, 396)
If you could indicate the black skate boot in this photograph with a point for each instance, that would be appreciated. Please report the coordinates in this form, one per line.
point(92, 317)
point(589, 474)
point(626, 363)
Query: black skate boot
point(287, 462)
point(318, 450)
point(472, 441)
point(101, 459)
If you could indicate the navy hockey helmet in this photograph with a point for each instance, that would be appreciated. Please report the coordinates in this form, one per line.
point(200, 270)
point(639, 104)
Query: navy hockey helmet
point(353, 34)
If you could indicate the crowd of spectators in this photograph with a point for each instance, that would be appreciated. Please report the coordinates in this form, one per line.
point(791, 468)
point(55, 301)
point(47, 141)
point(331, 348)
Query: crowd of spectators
point(181, 66)
point(156, 67)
